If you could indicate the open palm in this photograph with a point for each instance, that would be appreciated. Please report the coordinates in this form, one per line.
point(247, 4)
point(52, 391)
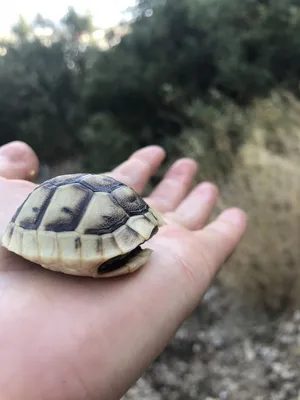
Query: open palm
point(69, 338)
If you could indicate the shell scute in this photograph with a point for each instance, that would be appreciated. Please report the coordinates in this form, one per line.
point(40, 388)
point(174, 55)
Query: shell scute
point(48, 248)
point(33, 209)
point(130, 201)
point(66, 209)
point(30, 248)
point(143, 226)
point(127, 239)
point(101, 216)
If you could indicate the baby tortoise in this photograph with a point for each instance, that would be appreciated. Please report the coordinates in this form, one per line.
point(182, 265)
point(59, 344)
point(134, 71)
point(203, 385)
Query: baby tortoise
point(85, 225)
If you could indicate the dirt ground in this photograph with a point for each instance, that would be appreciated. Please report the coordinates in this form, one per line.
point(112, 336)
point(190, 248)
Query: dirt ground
point(227, 351)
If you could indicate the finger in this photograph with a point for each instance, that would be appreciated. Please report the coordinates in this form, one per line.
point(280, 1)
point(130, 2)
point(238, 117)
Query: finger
point(175, 185)
point(221, 236)
point(18, 161)
point(138, 169)
point(194, 211)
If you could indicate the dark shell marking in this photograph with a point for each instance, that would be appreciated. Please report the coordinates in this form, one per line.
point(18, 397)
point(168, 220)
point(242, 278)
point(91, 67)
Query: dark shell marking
point(77, 243)
point(68, 221)
point(129, 204)
point(33, 221)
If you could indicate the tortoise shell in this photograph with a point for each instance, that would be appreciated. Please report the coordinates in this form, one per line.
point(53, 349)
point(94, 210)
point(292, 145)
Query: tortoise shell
point(83, 224)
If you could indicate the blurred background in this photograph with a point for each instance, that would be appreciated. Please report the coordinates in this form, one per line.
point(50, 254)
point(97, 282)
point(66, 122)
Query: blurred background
point(86, 83)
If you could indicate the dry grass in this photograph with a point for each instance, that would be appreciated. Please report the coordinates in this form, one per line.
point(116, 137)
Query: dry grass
point(265, 182)
point(266, 267)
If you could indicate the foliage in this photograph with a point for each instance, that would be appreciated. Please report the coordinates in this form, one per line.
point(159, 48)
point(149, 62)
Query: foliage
point(177, 54)
point(152, 83)
point(41, 80)
point(218, 130)
point(104, 143)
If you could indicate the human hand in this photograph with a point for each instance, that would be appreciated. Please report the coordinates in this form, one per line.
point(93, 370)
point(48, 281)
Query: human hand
point(71, 338)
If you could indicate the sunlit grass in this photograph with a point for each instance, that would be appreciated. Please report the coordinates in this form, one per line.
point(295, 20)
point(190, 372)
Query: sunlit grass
point(265, 182)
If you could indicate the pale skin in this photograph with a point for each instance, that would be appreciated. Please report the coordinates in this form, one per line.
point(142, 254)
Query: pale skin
point(71, 338)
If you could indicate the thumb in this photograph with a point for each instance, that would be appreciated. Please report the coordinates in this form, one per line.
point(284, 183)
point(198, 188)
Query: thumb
point(18, 161)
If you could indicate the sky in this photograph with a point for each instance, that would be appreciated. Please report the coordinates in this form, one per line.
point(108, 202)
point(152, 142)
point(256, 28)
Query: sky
point(105, 12)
